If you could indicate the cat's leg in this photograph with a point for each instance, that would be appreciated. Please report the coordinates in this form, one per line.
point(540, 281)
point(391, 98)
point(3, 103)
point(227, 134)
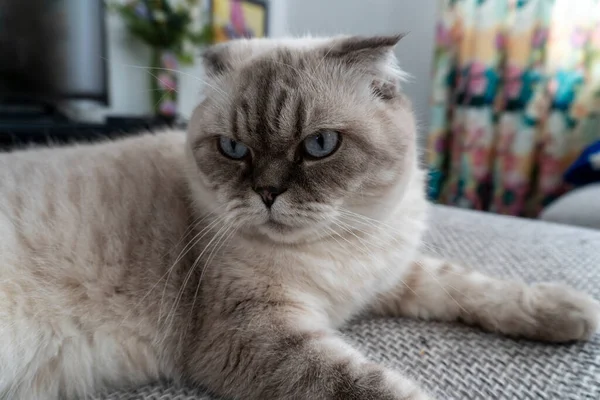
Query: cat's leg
point(439, 290)
point(267, 358)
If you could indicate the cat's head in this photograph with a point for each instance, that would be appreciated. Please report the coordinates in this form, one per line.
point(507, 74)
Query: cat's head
point(294, 135)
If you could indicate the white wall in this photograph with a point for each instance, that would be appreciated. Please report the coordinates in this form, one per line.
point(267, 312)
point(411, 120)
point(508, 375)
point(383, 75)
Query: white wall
point(129, 85)
point(128, 81)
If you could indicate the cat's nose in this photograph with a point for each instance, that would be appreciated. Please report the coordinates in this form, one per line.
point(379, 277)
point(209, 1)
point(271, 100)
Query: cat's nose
point(268, 194)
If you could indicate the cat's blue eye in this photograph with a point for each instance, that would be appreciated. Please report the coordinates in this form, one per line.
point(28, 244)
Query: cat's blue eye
point(232, 148)
point(321, 144)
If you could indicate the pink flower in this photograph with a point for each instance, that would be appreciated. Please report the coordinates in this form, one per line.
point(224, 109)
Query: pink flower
point(550, 174)
point(539, 37)
point(549, 184)
point(553, 86)
point(440, 145)
point(511, 163)
point(169, 61)
point(578, 37)
point(443, 37)
point(480, 166)
point(500, 41)
point(477, 79)
point(506, 138)
point(513, 179)
point(166, 82)
point(168, 108)
point(513, 83)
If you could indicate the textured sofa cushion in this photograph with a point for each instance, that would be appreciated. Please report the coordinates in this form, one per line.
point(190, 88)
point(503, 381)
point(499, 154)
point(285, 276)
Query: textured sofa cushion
point(458, 362)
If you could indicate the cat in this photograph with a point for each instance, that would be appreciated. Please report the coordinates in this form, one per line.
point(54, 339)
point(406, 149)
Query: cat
point(227, 257)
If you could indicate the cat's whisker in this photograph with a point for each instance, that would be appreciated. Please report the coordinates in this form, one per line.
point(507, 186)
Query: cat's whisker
point(385, 228)
point(322, 60)
point(341, 226)
point(161, 98)
point(300, 72)
point(366, 252)
point(374, 222)
point(191, 269)
point(179, 296)
point(197, 221)
point(218, 90)
point(432, 276)
point(440, 284)
point(182, 254)
point(333, 233)
point(158, 79)
point(167, 274)
point(378, 245)
point(195, 240)
point(373, 232)
point(225, 238)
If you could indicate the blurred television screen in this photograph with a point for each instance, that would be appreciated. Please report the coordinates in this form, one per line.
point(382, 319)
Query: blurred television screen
point(52, 50)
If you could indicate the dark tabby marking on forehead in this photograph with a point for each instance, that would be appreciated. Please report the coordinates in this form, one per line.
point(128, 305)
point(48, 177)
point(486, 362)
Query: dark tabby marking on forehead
point(300, 116)
point(280, 103)
point(214, 61)
point(264, 87)
point(244, 112)
point(233, 117)
point(269, 87)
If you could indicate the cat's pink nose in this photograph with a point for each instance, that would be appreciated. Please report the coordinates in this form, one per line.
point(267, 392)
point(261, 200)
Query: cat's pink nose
point(268, 194)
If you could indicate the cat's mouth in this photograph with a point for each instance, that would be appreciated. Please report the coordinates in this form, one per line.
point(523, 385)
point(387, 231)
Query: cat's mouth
point(284, 232)
point(287, 229)
point(272, 223)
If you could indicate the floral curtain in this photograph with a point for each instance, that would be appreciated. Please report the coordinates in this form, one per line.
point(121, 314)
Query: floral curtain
point(516, 98)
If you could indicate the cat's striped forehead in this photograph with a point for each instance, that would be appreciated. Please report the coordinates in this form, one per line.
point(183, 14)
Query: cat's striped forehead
point(270, 108)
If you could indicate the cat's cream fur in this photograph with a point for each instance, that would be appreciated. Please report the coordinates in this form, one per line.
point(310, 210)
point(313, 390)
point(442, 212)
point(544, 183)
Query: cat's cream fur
point(150, 257)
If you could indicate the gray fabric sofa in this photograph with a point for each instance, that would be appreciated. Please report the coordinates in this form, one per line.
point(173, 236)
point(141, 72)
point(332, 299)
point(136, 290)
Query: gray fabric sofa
point(458, 362)
point(580, 207)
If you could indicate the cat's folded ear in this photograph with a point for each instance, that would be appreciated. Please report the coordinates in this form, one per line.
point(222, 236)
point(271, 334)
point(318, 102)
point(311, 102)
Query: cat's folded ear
point(373, 55)
point(221, 58)
point(362, 49)
point(216, 59)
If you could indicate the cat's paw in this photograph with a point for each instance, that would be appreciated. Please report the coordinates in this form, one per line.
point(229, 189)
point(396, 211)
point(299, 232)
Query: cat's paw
point(561, 313)
point(404, 388)
point(376, 382)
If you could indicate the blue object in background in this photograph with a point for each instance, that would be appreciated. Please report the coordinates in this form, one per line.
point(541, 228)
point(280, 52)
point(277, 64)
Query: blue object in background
point(586, 169)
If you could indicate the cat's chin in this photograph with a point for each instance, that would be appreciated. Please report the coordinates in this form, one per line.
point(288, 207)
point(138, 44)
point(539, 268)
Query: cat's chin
point(287, 234)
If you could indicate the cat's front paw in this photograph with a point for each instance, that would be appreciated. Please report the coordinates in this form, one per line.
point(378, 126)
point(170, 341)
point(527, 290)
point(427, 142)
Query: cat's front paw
point(376, 382)
point(403, 388)
point(562, 313)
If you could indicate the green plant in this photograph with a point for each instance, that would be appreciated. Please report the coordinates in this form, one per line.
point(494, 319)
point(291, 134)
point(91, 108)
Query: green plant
point(165, 24)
